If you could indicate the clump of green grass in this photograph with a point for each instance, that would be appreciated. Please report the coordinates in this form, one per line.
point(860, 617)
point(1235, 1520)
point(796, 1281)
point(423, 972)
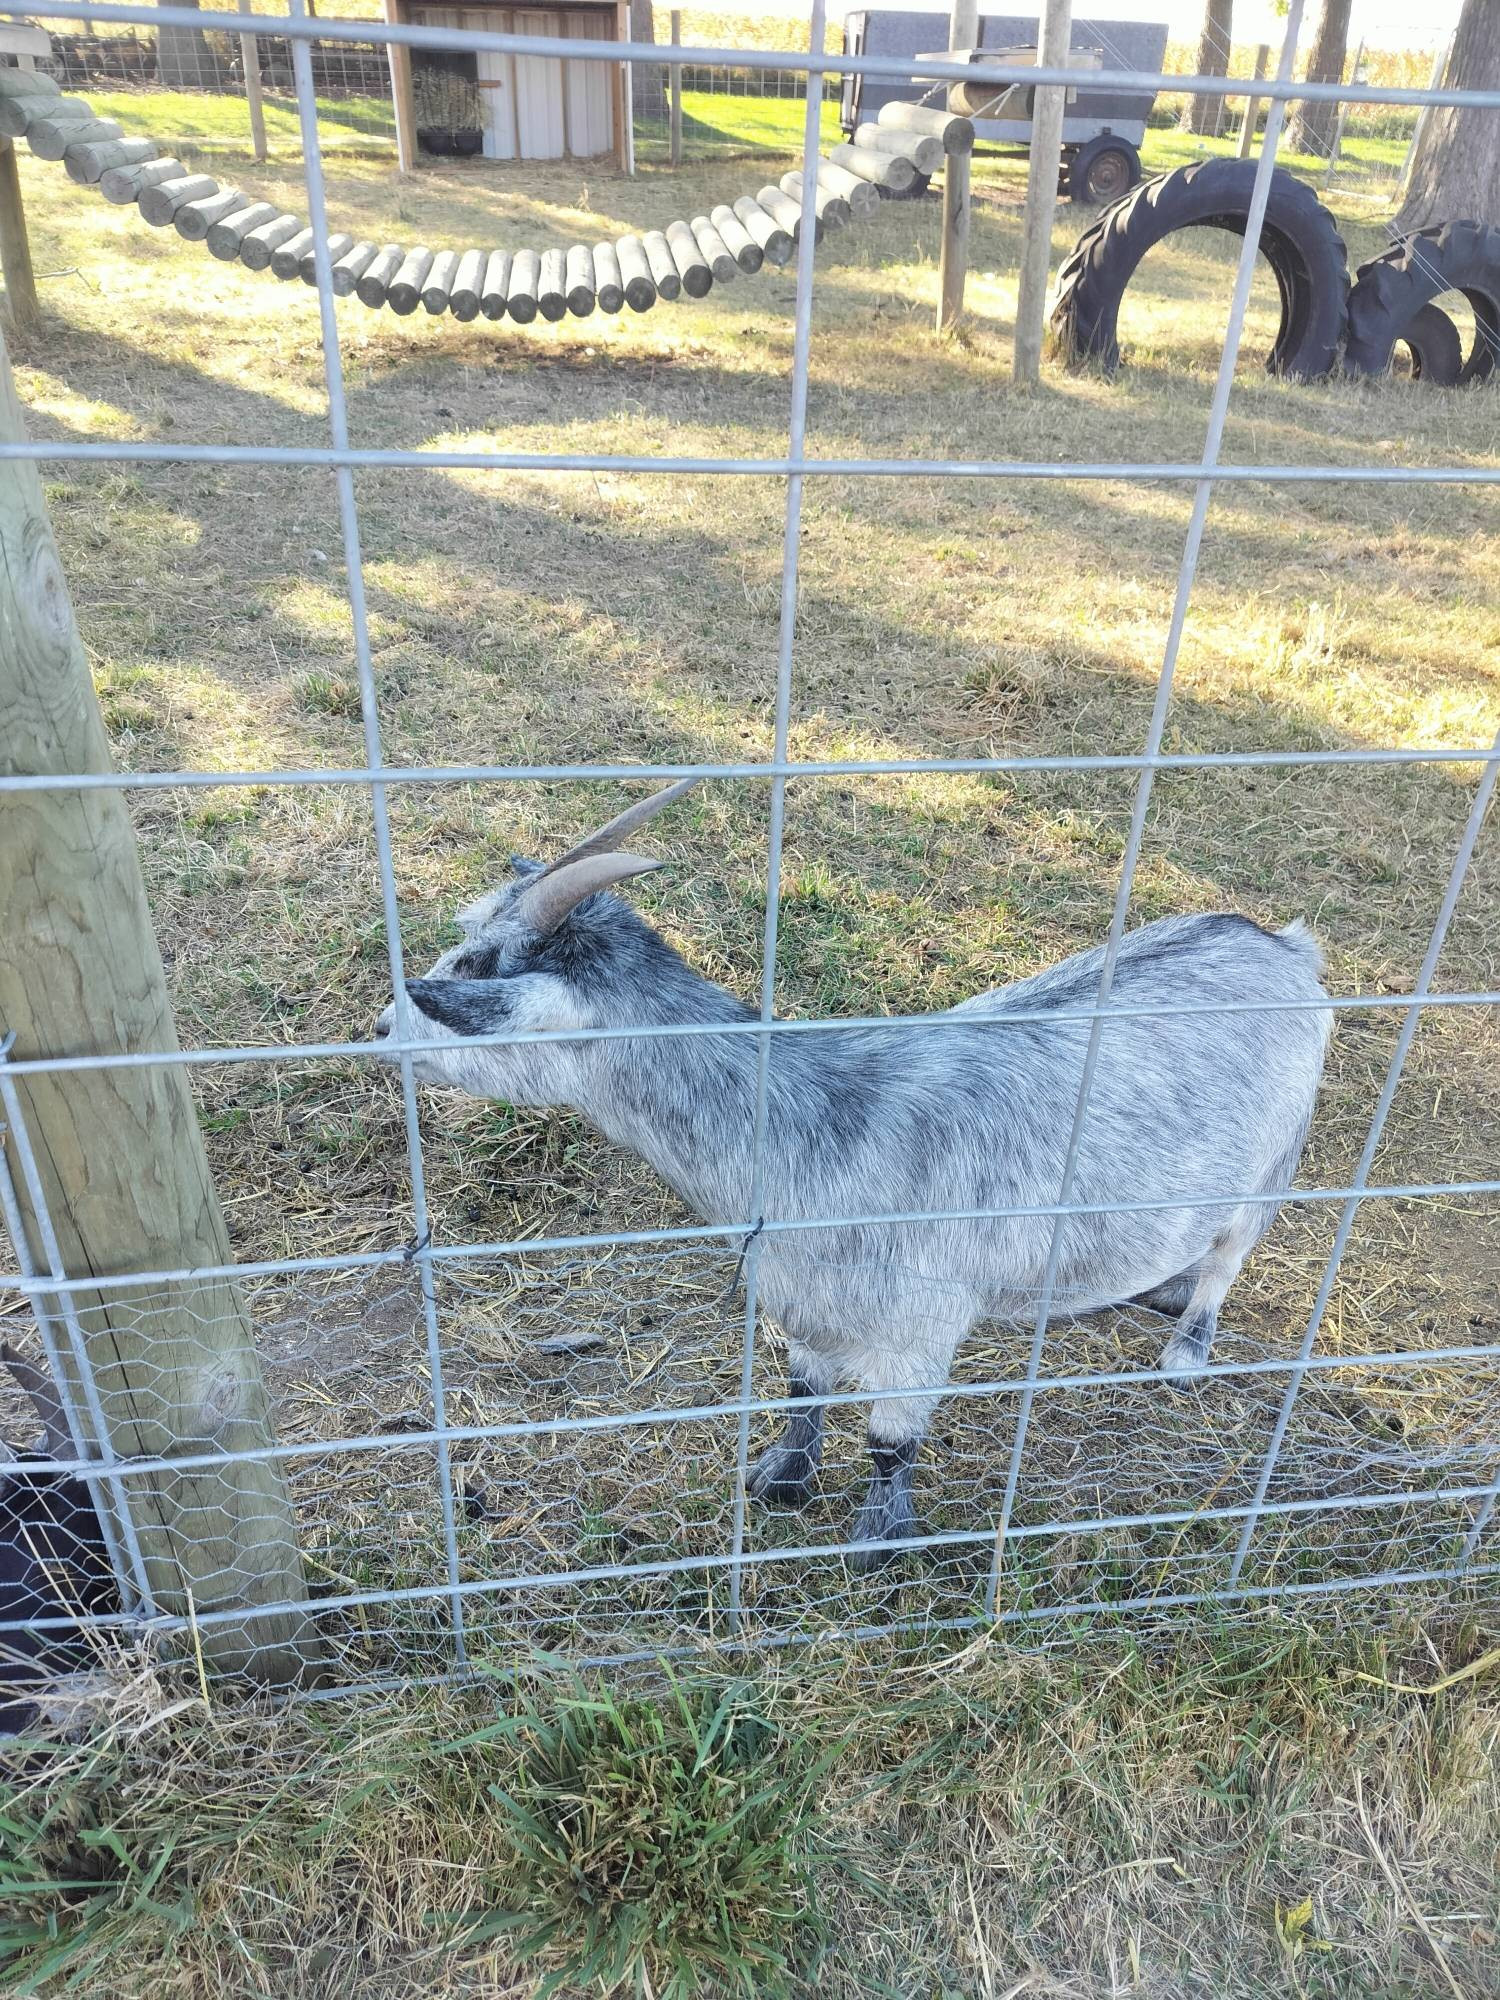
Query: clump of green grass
point(325, 694)
point(662, 1847)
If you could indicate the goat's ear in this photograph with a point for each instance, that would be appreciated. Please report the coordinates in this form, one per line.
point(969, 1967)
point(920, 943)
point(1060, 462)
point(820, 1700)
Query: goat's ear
point(464, 1006)
point(524, 869)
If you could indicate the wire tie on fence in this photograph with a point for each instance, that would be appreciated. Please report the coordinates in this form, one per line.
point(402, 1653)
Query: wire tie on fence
point(410, 1252)
point(739, 1269)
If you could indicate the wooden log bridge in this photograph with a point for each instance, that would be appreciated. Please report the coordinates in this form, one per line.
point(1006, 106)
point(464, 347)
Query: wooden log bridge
point(896, 154)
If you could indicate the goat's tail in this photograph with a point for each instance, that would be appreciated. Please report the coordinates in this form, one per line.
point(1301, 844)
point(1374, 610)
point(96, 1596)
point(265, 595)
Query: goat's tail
point(1300, 939)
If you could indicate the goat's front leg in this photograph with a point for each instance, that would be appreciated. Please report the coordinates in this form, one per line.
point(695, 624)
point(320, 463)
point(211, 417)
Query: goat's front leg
point(888, 1514)
point(783, 1475)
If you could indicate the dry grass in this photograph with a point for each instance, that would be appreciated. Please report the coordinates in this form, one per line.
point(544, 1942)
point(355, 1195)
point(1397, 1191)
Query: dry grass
point(1078, 1828)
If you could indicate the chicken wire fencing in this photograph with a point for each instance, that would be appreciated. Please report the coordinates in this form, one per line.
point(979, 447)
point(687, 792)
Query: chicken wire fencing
point(477, 1450)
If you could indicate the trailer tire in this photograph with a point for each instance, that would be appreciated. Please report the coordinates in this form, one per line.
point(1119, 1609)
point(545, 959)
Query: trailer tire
point(1299, 241)
point(1102, 171)
point(1391, 289)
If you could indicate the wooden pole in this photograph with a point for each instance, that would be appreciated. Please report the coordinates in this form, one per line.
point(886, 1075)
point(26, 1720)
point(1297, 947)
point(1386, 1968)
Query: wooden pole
point(119, 1153)
point(953, 258)
point(402, 99)
point(1042, 171)
point(676, 154)
point(15, 246)
point(250, 58)
point(1338, 130)
point(1252, 107)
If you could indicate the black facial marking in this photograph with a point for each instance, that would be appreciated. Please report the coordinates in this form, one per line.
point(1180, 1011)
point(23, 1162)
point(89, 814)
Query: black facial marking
point(467, 1006)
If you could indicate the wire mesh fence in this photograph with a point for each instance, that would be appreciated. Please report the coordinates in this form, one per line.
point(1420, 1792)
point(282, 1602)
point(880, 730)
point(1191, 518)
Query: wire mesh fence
point(475, 1448)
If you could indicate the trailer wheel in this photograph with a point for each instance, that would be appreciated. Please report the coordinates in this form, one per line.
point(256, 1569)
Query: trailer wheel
point(1102, 170)
point(1299, 241)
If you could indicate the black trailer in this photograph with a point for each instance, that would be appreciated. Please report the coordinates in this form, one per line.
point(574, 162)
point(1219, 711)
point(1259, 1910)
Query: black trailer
point(1102, 129)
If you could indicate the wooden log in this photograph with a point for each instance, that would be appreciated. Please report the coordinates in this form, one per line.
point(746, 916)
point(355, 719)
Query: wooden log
point(28, 83)
point(662, 264)
point(351, 266)
point(957, 134)
point(468, 283)
point(609, 284)
point(373, 280)
point(788, 213)
point(160, 203)
point(736, 239)
point(121, 184)
point(692, 266)
point(18, 113)
point(775, 241)
point(714, 250)
point(404, 293)
point(578, 276)
point(551, 288)
point(887, 170)
point(119, 1153)
point(307, 270)
point(286, 256)
point(635, 272)
point(227, 234)
point(521, 291)
point(50, 138)
point(495, 292)
point(923, 149)
point(259, 244)
point(863, 197)
point(86, 164)
point(440, 282)
point(195, 218)
point(832, 209)
point(15, 246)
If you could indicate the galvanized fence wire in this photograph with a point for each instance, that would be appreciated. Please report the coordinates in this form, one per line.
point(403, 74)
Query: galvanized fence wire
point(475, 1512)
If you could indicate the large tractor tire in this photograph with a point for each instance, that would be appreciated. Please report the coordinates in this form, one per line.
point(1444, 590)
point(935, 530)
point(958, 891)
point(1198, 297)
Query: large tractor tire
point(1299, 241)
point(1391, 290)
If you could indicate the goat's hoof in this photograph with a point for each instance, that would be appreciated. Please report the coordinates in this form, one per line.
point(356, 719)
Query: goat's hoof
point(885, 1526)
point(782, 1476)
point(1182, 1363)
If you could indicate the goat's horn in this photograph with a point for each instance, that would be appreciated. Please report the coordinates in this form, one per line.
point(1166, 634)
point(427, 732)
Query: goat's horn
point(613, 836)
point(43, 1398)
point(543, 905)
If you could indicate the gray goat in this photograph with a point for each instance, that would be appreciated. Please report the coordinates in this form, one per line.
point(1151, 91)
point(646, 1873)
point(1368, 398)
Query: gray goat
point(929, 1116)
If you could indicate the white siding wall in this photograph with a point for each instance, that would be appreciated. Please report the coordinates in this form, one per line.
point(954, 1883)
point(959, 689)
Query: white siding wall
point(539, 107)
point(591, 121)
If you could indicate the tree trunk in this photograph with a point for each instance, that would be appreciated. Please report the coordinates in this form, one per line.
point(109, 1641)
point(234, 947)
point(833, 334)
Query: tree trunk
point(648, 80)
point(1312, 125)
point(1205, 115)
point(1455, 171)
point(184, 60)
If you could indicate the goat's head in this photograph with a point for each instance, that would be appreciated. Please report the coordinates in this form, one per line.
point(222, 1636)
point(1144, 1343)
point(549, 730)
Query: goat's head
point(549, 950)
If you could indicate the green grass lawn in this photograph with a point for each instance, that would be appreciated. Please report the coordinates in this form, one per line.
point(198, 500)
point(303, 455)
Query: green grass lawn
point(214, 122)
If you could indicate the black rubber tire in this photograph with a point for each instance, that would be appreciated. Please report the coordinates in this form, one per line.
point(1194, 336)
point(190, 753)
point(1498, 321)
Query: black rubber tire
point(1390, 290)
point(1432, 341)
point(1103, 171)
point(1300, 242)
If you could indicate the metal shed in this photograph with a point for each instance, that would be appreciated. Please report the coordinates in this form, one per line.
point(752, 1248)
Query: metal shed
point(525, 107)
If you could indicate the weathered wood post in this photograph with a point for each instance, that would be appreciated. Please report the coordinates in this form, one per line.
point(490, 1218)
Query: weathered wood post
point(1252, 105)
point(120, 1158)
point(676, 154)
point(1042, 170)
point(953, 257)
point(1343, 117)
point(250, 58)
point(15, 246)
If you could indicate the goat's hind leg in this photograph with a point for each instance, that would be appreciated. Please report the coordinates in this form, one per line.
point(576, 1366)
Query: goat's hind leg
point(783, 1475)
point(1185, 1355)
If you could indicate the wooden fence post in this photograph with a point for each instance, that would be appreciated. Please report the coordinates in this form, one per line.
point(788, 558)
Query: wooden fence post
point(1045, 163)
point(250, 58)
point(953, 258)
point(1252, 105)
point(677, 92)
point(15, 246)
point(120, 1156)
